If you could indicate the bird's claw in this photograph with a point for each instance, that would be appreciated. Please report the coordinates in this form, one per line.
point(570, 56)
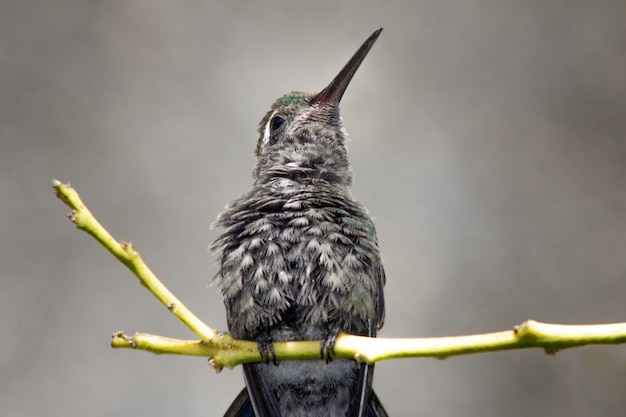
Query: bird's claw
point(327, 345)
point(266, 349)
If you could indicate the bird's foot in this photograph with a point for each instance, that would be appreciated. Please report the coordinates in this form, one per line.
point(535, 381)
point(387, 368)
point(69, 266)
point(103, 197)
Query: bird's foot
point(327, 345)
point(266, 348)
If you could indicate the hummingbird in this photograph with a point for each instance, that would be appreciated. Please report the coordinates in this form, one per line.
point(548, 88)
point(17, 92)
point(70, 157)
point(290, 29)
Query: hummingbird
point(299, 260)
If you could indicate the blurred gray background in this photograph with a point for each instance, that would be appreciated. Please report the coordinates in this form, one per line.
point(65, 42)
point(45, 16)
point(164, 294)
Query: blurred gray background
point(488, 140)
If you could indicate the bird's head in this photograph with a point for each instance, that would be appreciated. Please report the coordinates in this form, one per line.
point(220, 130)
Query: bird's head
point(302, 136)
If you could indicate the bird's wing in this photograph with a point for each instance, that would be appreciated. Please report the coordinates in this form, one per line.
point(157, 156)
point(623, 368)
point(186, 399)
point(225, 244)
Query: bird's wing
point(363, 394)
point(374, 407)
point(379, 299)
point(241, 407)
point(263, 400)
point(363, 391)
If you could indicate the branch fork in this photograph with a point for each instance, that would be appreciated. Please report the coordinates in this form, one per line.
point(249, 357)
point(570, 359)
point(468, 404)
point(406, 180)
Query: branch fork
point(226, 351)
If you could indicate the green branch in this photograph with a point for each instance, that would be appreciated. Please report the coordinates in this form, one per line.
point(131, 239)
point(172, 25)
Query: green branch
point(229, 352)
point(126, 254)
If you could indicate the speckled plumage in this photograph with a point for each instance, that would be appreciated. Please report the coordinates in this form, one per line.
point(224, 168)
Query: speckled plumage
point(299, 258)
point(299, 248)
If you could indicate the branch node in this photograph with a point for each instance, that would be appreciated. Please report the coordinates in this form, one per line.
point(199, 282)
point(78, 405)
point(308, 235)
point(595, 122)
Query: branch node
point(132, 343)
point(551, 351)
point(526, 331)
point(128, 247)
point(216, 367)
point(71, 216)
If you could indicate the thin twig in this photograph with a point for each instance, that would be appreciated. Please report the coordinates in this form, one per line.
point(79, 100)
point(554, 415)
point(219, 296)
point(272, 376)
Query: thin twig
point(530, 334)
point(126, 254)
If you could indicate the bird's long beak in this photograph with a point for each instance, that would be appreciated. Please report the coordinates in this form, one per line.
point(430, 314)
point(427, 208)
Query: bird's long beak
point(334, 91)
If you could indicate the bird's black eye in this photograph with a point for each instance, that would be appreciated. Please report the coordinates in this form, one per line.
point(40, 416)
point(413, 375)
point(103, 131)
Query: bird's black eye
point(276, 122)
